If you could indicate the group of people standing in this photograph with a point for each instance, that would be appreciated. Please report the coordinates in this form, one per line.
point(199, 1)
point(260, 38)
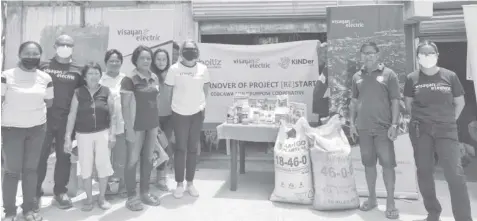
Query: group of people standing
point(434, 97)
point(115, 118)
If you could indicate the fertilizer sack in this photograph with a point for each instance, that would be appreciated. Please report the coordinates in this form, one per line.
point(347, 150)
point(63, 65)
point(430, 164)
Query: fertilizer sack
point(334, 183)
point(293, 181)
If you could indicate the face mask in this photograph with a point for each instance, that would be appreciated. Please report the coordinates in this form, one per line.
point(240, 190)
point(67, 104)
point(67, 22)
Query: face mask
point(64, 52)
point(189, 54)
point(30, 63)
point(428, 61)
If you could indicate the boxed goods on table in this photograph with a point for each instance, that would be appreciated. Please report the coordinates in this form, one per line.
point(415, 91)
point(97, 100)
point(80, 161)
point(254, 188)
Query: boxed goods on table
point(247, 110)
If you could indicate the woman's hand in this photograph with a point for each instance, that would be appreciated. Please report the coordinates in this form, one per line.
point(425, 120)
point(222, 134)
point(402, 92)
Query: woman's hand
point(68, 145)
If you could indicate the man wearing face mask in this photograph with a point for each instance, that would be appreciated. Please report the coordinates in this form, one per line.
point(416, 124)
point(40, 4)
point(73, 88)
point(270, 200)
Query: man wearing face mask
point(66, 78)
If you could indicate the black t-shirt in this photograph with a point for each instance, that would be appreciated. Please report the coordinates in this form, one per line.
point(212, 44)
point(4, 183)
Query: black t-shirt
point(66, 78)
point(433, 95)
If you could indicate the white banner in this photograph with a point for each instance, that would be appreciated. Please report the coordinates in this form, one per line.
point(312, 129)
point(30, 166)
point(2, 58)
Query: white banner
point(470, 16)
point(406, 180)
point(131, 28)
point(259, 70)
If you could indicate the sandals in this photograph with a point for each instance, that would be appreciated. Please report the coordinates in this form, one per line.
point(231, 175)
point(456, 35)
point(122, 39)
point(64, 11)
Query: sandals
point(104, 204)
point(32, 216)
point(87, 205)
point(367, 206)
point(162, 185)
point(150, 199)
point(392, 213)
point(134, 204)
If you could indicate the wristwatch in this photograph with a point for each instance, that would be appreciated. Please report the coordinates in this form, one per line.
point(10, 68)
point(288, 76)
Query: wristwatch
point(394, 126)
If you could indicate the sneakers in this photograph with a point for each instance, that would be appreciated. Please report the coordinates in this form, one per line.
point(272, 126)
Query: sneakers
point(179, 192)
point(192, 191)
point(63, 201)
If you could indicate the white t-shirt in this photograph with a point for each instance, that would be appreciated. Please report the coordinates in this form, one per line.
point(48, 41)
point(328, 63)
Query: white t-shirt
point(25, 93)
point(188, 96)
point(114, 85)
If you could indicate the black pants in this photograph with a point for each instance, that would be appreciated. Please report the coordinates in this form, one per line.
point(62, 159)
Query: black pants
point(187, 130)
point(21, 154)
point(427, 141)
point(63, 164)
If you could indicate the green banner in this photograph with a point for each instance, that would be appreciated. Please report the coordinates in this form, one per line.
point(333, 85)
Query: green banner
point(349, 27)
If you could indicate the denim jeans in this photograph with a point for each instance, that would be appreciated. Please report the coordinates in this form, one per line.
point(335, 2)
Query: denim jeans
point(187, 130)
point(21, 156)
point(441, 139)
point(63, 163)
point(140, 151)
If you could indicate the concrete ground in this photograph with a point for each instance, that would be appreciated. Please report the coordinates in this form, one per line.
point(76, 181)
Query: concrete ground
point(249, 203)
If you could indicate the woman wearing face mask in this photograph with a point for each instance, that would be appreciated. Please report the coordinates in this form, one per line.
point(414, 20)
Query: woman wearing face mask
point(435, 98)
point(92, 117)
point(112, 79)
point(190, 83)
point(26, 93)
point(160, 65)
point(139, 101)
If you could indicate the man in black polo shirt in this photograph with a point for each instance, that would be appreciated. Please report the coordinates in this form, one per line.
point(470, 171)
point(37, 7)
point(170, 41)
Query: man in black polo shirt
point(66, 77)
point(374, 116)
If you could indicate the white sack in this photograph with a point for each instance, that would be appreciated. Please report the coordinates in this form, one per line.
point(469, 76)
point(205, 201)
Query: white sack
point(293, 181)
point(333, 177)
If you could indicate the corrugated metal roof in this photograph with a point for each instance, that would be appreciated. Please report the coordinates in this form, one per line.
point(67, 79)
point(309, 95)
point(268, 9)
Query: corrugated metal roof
point(259, 9)
point(444, 22)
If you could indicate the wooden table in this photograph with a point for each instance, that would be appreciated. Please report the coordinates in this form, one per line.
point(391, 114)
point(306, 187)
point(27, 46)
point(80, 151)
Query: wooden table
point(233, 134)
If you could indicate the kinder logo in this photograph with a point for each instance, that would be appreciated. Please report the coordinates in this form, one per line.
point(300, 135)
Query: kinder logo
point(302, 61)
point(212, 63)
point(142, 35)
point(285, 62)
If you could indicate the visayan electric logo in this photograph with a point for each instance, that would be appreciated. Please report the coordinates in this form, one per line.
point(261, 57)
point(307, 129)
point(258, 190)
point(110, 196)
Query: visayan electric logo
point(142, 35)
point(285, 62)
point(253, 63)
point(212, 63)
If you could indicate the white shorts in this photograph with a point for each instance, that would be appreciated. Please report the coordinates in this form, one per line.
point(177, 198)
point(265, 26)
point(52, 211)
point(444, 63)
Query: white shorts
point(93, 150)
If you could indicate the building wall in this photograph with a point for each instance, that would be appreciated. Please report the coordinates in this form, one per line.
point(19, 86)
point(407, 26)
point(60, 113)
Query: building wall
point(28, 22)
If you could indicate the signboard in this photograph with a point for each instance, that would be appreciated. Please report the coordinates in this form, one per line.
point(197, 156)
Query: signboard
point(349, 27)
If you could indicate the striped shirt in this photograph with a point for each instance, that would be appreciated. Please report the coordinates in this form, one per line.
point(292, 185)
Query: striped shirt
point(24, 93)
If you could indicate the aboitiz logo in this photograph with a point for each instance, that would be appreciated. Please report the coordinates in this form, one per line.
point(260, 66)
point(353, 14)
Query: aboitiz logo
point(252, 63)
point(139, 34)
point(285, 62)
point(212, 63)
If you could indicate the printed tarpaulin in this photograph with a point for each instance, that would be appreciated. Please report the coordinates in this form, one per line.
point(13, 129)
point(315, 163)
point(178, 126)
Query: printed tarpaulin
point(260, 71)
